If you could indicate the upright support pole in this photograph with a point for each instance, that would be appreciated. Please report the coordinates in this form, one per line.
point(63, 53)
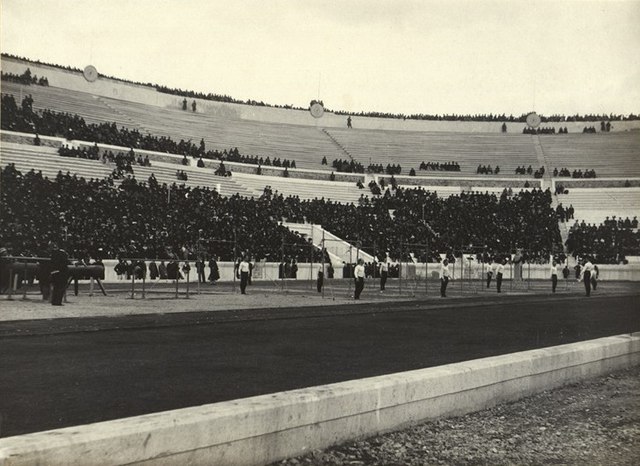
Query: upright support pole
point(282, 276)
point(10, 292)
point(235, 259)
point(176, 283)
point(144, 288)
point(25, 282)
point(350, 267)
point(91, 287)
point(311, 268)
point(188, 272)
point(461, 269)
point(324, 275)
point(400, 270)
point(426, 268)
point(133, 278)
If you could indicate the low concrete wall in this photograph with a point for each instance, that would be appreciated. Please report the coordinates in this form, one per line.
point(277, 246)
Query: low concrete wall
point(263, 429)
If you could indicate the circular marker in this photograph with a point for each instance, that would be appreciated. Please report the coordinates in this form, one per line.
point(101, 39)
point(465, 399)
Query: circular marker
point(90, 73)
point(533, 120)
point(317, 110)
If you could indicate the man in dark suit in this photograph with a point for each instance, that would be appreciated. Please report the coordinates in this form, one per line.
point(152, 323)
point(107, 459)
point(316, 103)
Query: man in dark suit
point(59, 274)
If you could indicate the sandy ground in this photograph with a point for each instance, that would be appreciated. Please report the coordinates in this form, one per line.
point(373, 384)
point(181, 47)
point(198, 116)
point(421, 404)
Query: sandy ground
point(160, 298)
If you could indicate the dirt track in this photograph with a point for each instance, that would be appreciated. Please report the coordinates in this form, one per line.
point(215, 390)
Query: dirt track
point(62, 372)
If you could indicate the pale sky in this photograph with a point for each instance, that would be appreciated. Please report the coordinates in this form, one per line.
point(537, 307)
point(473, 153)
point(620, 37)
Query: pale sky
point(404, 56)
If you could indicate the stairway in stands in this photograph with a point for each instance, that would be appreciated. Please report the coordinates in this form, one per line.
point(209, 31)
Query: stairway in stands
point(547, 182)
point(335, 141)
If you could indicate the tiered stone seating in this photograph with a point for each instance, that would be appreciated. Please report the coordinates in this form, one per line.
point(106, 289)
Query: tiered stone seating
point(409, 149)
point(47, 160)
point(609, 154)
point(91, 108)
point(305, 189)
point(304, 144)
point(594, 205)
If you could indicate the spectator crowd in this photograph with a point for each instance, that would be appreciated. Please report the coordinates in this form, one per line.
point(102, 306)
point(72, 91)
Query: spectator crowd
point(104, 220)
point(438, 166)
point(25, 78)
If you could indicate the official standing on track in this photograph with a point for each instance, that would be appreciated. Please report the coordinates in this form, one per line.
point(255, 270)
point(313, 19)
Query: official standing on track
point(59, 272)
point(491, 272)
point(384, 273)
point(444, 278)
point(358, 274)
point(554, 276)
point(585, 275)
point(499, 273)
point(244, 270)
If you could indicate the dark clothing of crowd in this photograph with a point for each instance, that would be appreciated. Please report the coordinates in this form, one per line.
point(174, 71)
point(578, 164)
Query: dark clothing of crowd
point(444, 166)
point(487, 170)
point(564, 172)
point(347, 166)
point(25, 78)
point(608, 243)
point(144, 220)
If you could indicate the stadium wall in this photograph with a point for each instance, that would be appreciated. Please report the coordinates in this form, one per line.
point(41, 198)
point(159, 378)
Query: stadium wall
point(106, 87)
point(264, 429)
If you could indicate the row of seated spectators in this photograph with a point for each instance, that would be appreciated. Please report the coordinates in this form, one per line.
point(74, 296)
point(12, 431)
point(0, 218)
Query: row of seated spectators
point(390, 169)
point(142, 220)
point(607, 243)
point(614, 222)
point(564, 172)
point(539, 173)
point(437, 166)
point(347, 166)
point(491, 117)
point(487, 170)
point(25, 78)
point(234, 156)
point(544, 130)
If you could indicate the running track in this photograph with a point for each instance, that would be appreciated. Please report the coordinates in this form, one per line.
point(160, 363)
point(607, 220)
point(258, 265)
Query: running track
point(67, 372)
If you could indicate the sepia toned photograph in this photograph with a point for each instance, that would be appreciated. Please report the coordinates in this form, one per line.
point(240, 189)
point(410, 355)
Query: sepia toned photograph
point(319, 232)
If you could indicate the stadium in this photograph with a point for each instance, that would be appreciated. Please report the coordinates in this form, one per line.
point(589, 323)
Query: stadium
point(190, 276)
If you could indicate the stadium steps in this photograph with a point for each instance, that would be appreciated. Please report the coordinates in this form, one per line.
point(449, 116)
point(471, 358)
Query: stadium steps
point(306, 189)
point(47, 160)
point(304, 144)
point(594, 205)
point(90, 107)
point(339, 250)
point(409, 149)
point(609, 154)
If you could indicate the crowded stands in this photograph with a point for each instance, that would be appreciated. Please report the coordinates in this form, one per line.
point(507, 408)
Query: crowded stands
point(101, 219)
